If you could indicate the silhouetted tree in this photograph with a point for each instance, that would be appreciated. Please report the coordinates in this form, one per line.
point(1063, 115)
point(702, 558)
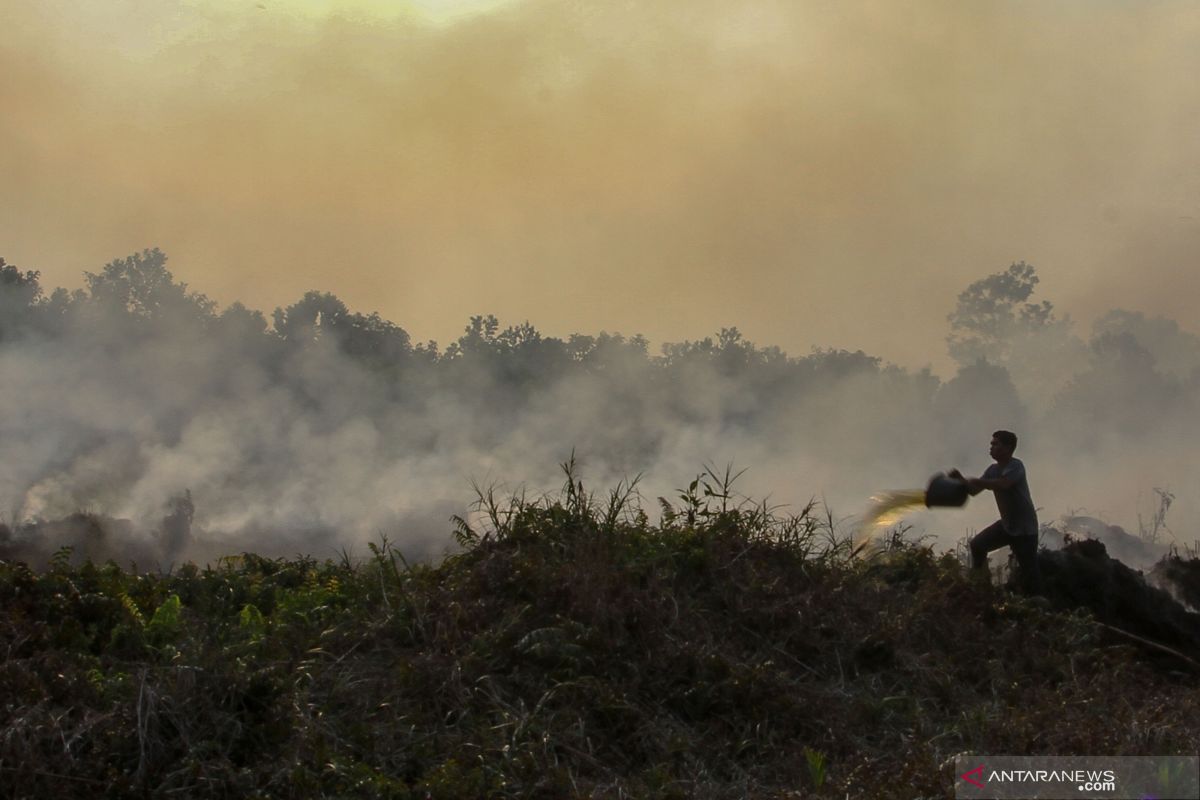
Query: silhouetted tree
point(370, 338)
point(972, 404)
point(517, 356)
point(479, 338)
point(606, 351)
point(1175, 351)
point(1122, 393)
point(315, 315)
point(141, 286)
point(243, 323)
point(991, 311)
point(366, 337)
point(19, 294)
point(993, 321)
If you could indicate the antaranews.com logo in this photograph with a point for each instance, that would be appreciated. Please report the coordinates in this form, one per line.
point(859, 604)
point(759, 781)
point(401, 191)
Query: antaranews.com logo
point(1116, 777)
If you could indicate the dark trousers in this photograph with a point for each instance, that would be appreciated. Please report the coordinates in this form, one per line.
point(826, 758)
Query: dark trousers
point(993, 537)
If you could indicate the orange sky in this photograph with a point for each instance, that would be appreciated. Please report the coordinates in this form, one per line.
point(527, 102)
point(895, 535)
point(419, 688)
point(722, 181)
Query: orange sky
point(815, 173)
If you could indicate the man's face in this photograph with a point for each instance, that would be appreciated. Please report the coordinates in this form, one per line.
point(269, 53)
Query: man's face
point(998, 450)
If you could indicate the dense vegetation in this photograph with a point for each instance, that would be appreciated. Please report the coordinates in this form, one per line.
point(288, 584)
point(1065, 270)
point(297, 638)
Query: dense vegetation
point(576, 649)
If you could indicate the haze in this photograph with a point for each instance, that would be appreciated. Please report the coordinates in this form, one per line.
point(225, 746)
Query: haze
point(819, 174)
point(832, 181)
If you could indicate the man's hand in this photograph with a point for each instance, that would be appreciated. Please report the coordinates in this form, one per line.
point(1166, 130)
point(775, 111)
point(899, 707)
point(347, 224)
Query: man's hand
point(974, 485)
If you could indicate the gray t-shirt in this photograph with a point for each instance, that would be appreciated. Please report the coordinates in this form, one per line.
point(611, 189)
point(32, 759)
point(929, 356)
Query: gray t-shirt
point(1017, 511)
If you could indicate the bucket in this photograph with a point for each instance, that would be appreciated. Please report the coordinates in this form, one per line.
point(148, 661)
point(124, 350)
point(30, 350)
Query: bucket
point(945, 491)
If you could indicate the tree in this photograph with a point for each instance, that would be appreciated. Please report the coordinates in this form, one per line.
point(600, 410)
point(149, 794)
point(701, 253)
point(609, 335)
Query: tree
point(479, 337)
point(367, 337)
point(968, 407)
point(1175, 351)
point(992, 311)
point(313, 316)
point(141, 286)
point(372, 338)
point(20, 292)
point(994, 321)
point(242, 322)
point(1122, 393)
point(608, 350)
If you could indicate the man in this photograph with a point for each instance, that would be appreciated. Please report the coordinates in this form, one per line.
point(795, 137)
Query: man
point(1017, 527)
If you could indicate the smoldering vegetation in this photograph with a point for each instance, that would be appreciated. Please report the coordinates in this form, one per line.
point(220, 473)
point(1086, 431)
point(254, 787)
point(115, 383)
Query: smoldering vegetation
point(142, 422)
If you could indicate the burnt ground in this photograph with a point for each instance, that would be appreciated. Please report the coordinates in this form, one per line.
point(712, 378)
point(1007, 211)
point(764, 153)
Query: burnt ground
point(1083, 575)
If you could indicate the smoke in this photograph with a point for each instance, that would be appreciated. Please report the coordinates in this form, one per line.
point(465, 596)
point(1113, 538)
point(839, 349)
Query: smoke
point(213, 431)
point(813, 172)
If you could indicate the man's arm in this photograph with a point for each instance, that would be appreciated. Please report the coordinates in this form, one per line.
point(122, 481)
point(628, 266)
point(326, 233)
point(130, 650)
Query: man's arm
point(977, 485)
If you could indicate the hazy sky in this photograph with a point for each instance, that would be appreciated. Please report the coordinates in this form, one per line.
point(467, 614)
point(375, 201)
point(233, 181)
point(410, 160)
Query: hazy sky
point(816, 173)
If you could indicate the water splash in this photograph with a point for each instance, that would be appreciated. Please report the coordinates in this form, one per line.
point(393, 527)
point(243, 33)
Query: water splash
point(885, 511)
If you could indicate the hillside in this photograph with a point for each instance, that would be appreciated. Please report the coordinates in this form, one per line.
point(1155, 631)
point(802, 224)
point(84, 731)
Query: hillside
point(575, 649)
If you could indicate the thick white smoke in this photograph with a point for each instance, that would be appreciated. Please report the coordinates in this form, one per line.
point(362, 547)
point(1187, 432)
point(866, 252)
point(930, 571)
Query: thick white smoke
point(327, 428)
